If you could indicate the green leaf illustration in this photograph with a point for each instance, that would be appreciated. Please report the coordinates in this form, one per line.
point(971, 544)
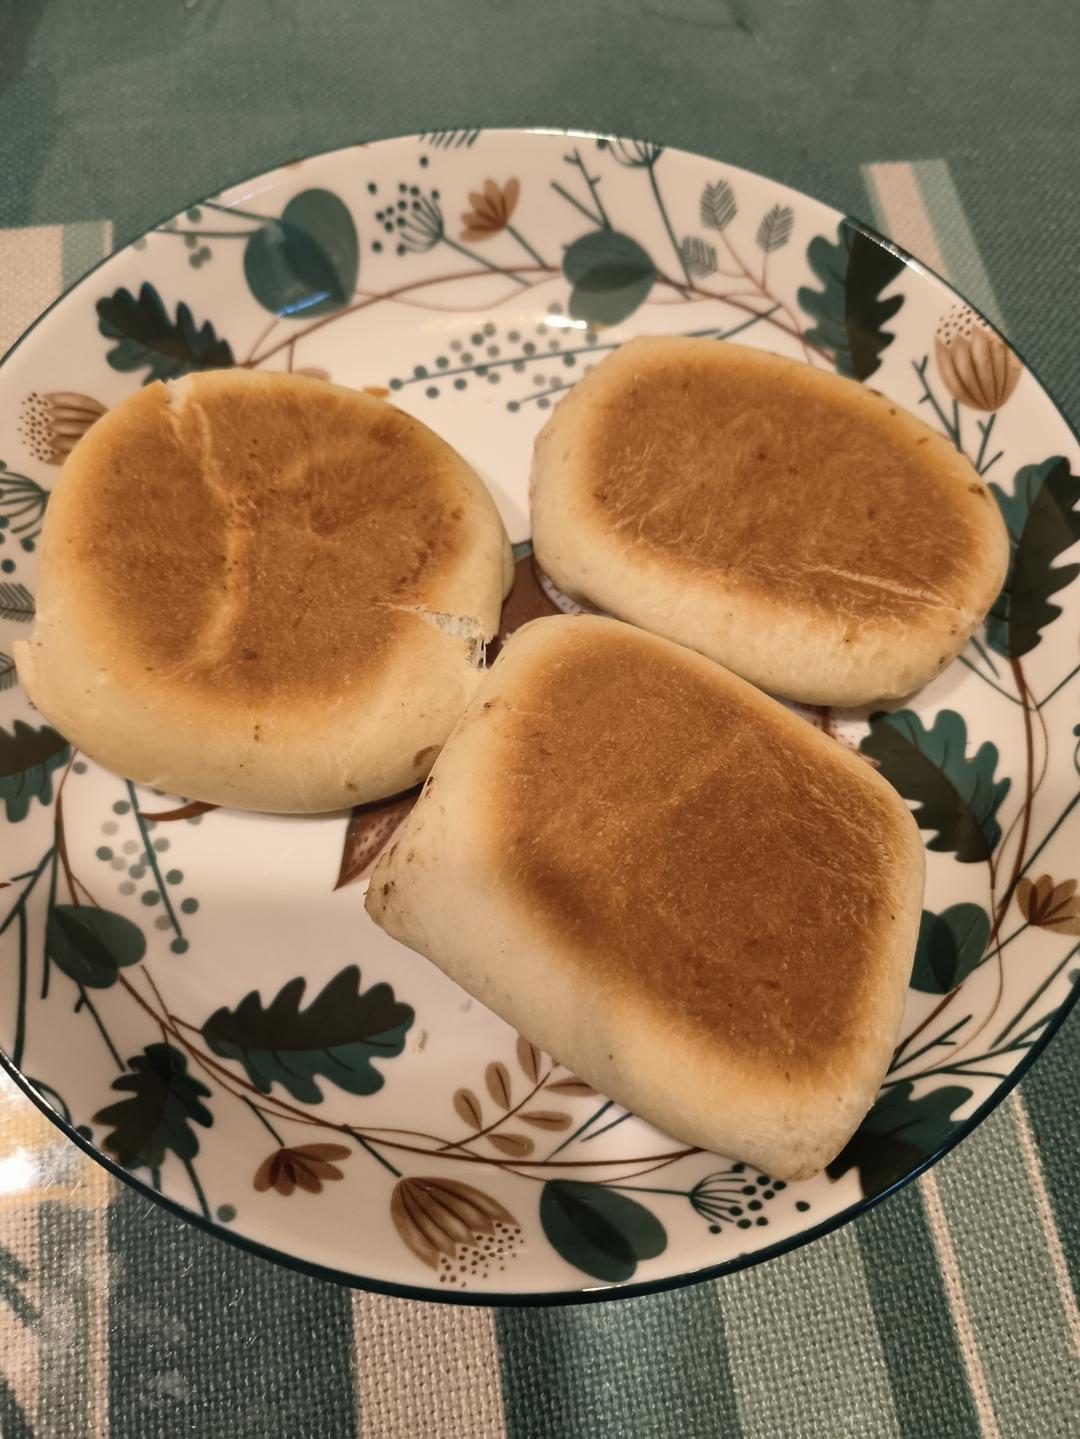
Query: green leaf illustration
point(848, 311)
point(899, 1133)
point(775, 229)
point(598, 1230)
point(16, 603)
point(165, 1101)
point(28, 757)
point(951, 945)
point(698, 257)
point(307, 262)
point(717, 207)
point(341, 1032)
point(8, 677)
point(92, 945)
point(611, 276)
point(146, 336)
point(1043, 521)
point(956, 796)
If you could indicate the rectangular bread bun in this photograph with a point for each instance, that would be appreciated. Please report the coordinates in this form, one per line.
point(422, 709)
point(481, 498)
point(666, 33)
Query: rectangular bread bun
point(686, 894)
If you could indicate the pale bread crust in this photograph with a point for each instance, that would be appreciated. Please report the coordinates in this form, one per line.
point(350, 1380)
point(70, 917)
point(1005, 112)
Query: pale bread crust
point(789, 1087)
point(897, 607)
point(327, 722)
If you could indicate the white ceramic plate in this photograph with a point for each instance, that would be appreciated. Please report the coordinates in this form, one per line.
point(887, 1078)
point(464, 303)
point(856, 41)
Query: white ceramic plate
point(200, 1000)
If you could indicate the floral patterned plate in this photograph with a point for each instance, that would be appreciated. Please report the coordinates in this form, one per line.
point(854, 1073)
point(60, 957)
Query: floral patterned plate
point(197, 996)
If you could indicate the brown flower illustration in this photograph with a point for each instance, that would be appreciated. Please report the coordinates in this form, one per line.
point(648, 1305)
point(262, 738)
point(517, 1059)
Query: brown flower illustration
point(52, 423)
point(454, 1228)
point(491, 211)
point(1050, 906)
point(976, 364)
point(304, 1167)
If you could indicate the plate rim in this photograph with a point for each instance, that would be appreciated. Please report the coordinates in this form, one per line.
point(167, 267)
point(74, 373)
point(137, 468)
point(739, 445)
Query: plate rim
point(598, 1292)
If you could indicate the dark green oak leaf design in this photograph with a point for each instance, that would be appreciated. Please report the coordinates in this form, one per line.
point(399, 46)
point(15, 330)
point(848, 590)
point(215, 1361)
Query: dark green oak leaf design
point(848, 312)
point(307, 262)
point(898, 1134)
point(951, 945)
point(1043, 521)
point(91, 945)
point(28, 757)
point(337, 1036)
point(163, 1103)
point(146, 337)
point(956, 796)
point(611, 276)
point(598, 1230)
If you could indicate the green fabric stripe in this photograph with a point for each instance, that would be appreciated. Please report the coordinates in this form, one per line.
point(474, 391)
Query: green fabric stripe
point(206, 1340)
point(1055, 1125)
point(608, 1369)
point(67, 1370)
point(804, 1348)
point(1030, 1366)
point(963, 263)
point(85, 243)
point(926, 1371)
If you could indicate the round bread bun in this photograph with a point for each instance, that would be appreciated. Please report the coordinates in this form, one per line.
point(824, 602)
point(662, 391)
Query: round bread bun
point(264, 591)
point(797, 527)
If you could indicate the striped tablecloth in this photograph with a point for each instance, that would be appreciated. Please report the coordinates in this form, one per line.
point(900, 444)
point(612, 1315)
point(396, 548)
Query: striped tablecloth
point(950, 1310)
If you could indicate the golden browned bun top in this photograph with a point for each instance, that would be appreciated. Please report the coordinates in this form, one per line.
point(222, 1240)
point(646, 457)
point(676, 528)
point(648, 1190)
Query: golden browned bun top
point(812, 489)
point(261, 536)
point(705, 852)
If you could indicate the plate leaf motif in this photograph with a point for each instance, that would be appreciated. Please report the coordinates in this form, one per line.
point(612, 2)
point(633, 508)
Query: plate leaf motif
point(598, 1230)
point(1043, 521)
point(163, 1102)
point(91, 945)
point(16, 603)
point(848, 312)
point(951, 945)
point(899, 1133)
point(611, 276)
point(28, 757)
point(307, 263)
point(775, 229)
point(146, 337)
point(336, 1037)
point(956, 796)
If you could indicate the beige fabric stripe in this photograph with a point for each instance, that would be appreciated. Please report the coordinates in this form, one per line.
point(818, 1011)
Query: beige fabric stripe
point(425, 1369)
point(18, 1342)
point(1046, 1218)
point(954, 1291)
point(97, 1320)
point(32, 261)
point(899, 210)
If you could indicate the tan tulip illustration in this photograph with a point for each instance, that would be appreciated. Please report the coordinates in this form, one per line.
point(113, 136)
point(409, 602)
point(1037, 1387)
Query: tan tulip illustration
point(53, 423)
point(454, 1228)
point(492, 210)
point(303, 1167)
point(1047, 905)
point(975, 363)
